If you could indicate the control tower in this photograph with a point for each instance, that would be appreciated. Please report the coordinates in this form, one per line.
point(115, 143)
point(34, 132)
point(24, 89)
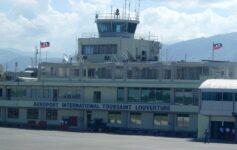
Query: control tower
point(116, 40)
point(117, 25)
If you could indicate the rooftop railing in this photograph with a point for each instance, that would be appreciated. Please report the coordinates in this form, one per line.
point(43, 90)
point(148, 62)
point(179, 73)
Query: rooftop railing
point(130, 16)
point(137, 36)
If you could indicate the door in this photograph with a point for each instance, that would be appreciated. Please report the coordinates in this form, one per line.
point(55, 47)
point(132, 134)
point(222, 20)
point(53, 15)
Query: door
point(9, 91)
point(55, 94)
point(215, 129)
point(88, 119)
point(229, 134)
point(73, 121)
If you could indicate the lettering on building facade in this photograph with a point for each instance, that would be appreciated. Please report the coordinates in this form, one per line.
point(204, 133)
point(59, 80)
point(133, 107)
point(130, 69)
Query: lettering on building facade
point(102, 106)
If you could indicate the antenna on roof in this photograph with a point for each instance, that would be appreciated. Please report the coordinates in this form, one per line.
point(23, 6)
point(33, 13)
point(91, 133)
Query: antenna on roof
point(139, 5)
point(135, 7)
point(125, 7)
point(111, 11)
point(129, 10)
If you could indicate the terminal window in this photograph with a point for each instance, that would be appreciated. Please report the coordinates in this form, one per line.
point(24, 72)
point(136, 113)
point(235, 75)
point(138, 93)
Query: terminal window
point(120, 94)
point(183, 120)
point(161, 119)
point(99, 49)
point(115, 118)
point(135, 119)
point(134, 95)
point(32, 113)
point(186, 96)
point(97, 96)
point(217, 96)
point(0, 92)
point(51, 114)
point(13, 113)
point(19, 92)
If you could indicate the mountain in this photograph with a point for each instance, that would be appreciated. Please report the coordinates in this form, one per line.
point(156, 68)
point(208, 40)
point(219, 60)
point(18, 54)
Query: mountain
point(9, 57)
point(191, 50)
point(201, 49)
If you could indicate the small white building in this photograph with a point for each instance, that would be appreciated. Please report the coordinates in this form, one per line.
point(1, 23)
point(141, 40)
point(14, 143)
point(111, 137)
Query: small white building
point(218, 108)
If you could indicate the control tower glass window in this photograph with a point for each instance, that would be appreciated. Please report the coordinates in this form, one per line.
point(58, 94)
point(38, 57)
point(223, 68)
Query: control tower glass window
point(132, 27)
point(104, 27)
point(119, 27)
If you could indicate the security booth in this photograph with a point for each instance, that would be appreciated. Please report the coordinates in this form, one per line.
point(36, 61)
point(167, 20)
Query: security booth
point(218, 109)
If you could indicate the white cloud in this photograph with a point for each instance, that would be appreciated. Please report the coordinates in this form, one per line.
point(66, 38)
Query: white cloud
point(19, 26)
point(172, 26)
point(29, 21)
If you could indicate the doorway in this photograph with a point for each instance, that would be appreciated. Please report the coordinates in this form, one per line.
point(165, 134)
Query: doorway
point(9, 93)
point(55, 94)
point(223, 130)
point(88, 119)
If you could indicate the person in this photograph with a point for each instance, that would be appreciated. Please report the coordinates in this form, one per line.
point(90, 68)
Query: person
point(221, 132)
point(233, 134)
point(227, 135)
point(206, 136)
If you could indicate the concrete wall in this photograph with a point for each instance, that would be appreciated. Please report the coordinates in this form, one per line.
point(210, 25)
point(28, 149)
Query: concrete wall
point(203, 124)
point(216, 108)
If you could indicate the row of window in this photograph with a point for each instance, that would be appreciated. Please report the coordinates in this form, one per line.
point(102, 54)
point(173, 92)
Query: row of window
point(117, 27)
point(219, 96)
point(182, 120)
point(51, 114)
point(99, 49)
point(145, 95)
point(133, 72)
point(163, 95)
point(42, 92)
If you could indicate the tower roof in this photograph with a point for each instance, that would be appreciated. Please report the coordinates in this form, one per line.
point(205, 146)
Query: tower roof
point(116, 24)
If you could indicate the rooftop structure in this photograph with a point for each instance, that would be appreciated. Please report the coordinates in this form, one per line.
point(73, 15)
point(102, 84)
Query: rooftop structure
point(116, 24)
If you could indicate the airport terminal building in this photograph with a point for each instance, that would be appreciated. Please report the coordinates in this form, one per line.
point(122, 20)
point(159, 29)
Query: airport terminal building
point(117, 79)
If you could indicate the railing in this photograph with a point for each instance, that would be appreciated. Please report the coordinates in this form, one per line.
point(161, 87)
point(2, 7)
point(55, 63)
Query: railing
point(129, 16)
point(137, 36)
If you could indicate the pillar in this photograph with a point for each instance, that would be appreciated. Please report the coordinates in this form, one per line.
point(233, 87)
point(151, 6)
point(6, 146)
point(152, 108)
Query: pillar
point(235, 128)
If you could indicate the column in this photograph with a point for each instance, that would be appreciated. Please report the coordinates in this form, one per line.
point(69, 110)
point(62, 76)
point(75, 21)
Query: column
point(125, 70)
point(235, 127)
point(4, 115)
point(172, 97)
point(113, 69)
point(125, 94)
point(172, 69)
point(172, 122)
point(81, 71)
point(39, 71)
point(42, 112)
point(160, 72)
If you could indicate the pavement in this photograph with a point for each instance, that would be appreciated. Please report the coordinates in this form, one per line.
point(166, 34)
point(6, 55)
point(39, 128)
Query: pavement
point(24, 139)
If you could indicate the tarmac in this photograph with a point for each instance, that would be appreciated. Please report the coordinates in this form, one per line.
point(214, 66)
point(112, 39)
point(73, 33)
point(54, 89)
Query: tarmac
point(25, 139)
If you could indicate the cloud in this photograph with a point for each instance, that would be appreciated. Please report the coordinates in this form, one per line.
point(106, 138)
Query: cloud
point(25, 22)
point(28, 22)
point(172, 26)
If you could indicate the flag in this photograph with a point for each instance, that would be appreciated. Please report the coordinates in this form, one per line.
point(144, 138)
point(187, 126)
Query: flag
point(217, 46)
point(44, 44)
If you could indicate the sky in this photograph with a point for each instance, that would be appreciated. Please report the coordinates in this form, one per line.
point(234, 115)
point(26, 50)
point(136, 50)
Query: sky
point(24, 23)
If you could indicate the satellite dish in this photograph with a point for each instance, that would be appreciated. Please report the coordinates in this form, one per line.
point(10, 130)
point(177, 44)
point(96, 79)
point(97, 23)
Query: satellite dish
point(65, 58)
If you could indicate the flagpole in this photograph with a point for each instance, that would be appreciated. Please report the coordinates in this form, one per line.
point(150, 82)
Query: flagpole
point(36, 53)
point(46, 57)
point(40, 53)
point(212, 51)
